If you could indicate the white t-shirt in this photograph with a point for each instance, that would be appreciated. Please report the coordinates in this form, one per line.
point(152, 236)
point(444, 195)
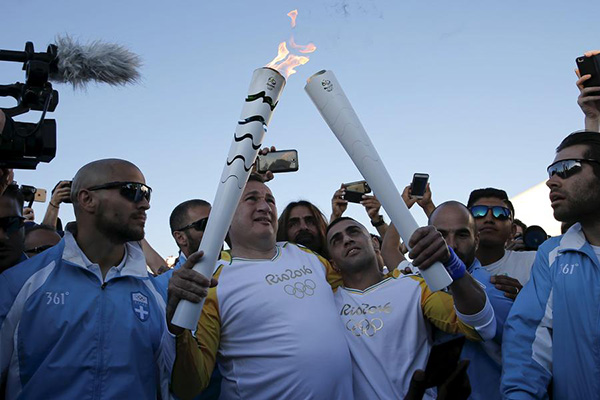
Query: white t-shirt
point(516, 264)
point(280, 337)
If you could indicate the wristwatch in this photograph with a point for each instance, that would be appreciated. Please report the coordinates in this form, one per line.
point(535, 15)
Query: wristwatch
point(379, 222)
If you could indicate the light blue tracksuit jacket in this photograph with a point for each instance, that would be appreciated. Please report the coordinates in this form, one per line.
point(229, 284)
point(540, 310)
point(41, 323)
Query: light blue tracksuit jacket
point(553, 329)
point(66, 334)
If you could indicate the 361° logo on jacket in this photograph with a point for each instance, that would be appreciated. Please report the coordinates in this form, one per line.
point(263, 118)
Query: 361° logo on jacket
point(140, 306)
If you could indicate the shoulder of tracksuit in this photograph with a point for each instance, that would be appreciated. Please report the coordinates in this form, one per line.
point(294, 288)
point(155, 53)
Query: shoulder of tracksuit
point(528, 338)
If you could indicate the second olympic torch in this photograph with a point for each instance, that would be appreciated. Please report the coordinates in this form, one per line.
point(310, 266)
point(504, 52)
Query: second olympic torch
point(263, 95)
point(331, 101)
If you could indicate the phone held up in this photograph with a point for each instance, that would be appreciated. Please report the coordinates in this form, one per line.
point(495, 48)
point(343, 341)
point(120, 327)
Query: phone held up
point(589, 66)
point(418, 185)
point(355, 191)
point(278, 161)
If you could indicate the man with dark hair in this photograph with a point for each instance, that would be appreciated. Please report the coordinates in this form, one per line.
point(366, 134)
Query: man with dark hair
point(39, 238)
point(388, 321)
point(188, 222)
point(494, 215)
point(301, 222)
point(12, 231)
point(551, 336)
point(270, 320)
point(84, 319)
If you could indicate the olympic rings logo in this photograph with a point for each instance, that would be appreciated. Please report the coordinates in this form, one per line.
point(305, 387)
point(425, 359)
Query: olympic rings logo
point(301, 289)
point(364, 326)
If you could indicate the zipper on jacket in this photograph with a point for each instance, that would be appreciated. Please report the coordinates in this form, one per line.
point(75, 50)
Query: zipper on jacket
point(100, 364)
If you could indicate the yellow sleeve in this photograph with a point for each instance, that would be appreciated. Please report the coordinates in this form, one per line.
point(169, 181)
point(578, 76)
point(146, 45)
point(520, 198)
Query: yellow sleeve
point(333, 277)
point(438, 308)
point(196, 355)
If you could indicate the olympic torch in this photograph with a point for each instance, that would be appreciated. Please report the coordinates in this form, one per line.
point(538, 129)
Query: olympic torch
point(331, 101)
point(263, 96)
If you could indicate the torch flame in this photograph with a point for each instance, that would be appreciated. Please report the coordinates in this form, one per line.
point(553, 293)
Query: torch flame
point(293, 14)
point(285, 62)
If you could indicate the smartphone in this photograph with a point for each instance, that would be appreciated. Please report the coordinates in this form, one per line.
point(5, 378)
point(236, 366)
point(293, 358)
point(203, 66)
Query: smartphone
point(69, 184)
point(278, 161)
point(355, 191)
point(28, 193)
point(40, 195)
point(591, 66)
point(418, 185)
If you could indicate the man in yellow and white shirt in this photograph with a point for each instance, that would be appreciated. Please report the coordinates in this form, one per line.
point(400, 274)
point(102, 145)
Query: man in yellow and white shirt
point(388, 320)
point(271, 321)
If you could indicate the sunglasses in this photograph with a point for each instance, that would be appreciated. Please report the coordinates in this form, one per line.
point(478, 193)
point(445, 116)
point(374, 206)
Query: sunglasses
point(501, 213)
point(567, 168)
point(199, 225)
point(11, 225)
point(132, 191)
point(39, 249)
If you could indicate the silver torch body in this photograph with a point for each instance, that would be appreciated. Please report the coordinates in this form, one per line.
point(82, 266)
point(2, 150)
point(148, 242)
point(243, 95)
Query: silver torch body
point(265, 88)
point(331, 101)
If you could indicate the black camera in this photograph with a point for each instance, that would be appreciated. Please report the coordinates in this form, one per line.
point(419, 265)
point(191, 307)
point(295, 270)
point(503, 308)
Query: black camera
point(24, 145)
point(534, 236)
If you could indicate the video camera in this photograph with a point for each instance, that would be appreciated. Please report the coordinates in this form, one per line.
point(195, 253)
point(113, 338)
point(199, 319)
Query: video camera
point(24, 145)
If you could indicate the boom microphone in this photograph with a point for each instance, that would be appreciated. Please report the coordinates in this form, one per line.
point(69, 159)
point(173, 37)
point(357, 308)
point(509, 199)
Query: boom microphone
point(78, 64)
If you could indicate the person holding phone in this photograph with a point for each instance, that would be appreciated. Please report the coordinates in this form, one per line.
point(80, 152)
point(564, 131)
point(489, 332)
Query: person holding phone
point(372, 206)
point(60, 194)
point(551, 335)
point(589, 97)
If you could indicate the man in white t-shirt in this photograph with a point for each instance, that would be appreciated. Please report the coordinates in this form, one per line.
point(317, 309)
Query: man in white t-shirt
point(270, 323)
point(388, 320)
point(494, 215)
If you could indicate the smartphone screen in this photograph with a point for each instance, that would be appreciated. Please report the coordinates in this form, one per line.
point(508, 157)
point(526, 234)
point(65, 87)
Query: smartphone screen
point(419, 185)
point(278, 161)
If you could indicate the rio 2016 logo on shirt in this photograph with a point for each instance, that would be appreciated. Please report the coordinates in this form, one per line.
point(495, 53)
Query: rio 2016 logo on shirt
point(140, 306)
point(301, 289)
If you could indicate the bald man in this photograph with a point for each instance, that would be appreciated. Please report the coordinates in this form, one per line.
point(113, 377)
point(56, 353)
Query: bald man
point(84, 319)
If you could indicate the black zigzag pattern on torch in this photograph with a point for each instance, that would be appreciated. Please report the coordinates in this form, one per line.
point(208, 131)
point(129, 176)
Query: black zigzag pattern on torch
point(247, 136)
point(265, 99)
point(241, 157)
point(253, 118)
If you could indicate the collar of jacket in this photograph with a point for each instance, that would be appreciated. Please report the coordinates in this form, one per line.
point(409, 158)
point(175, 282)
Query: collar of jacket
point(134, 265)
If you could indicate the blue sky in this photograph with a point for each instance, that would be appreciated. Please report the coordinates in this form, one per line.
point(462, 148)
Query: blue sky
point(474, 93)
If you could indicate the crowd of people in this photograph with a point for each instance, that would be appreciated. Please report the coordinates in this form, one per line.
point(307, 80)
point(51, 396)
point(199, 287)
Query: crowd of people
point(302, 306)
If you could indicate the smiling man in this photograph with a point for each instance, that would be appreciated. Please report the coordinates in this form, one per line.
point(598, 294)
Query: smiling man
point(84, 319)
point(552, 332)
point(271, 322)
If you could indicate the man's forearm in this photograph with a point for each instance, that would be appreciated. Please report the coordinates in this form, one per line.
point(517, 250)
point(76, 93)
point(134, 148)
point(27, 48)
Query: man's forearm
point(469, 297)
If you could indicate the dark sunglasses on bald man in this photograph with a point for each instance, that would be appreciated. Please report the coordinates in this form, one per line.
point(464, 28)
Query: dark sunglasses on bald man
point(11, 224)
point(501, 213)
point(199, 225)
point(132, 191)
point(567, 168)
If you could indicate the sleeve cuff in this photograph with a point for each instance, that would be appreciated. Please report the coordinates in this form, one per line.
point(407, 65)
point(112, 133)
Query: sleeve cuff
point(484, 321)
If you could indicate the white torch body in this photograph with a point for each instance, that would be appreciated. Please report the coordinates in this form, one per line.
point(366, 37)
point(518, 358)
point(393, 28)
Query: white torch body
point(263, 94)
point(331, 101)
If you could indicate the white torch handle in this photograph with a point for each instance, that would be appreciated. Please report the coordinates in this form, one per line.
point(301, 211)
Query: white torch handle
point(331, 101)
point(264, 92)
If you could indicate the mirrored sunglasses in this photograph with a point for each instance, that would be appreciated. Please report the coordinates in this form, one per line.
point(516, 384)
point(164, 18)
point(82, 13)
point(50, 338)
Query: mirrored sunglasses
point(566, 168)
point(501, 213)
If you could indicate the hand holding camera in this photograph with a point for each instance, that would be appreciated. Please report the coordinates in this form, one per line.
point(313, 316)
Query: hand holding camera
point(61, 194)
point(588, 71)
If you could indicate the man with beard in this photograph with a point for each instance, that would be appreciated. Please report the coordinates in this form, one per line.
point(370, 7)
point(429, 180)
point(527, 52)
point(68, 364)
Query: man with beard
point(388, 320)
point(12, 231)
point(552, 332)
point(84, 319)
point(301, 222)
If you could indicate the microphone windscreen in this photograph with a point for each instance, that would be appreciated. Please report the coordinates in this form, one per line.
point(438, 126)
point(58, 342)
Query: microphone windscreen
point(97, 61)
